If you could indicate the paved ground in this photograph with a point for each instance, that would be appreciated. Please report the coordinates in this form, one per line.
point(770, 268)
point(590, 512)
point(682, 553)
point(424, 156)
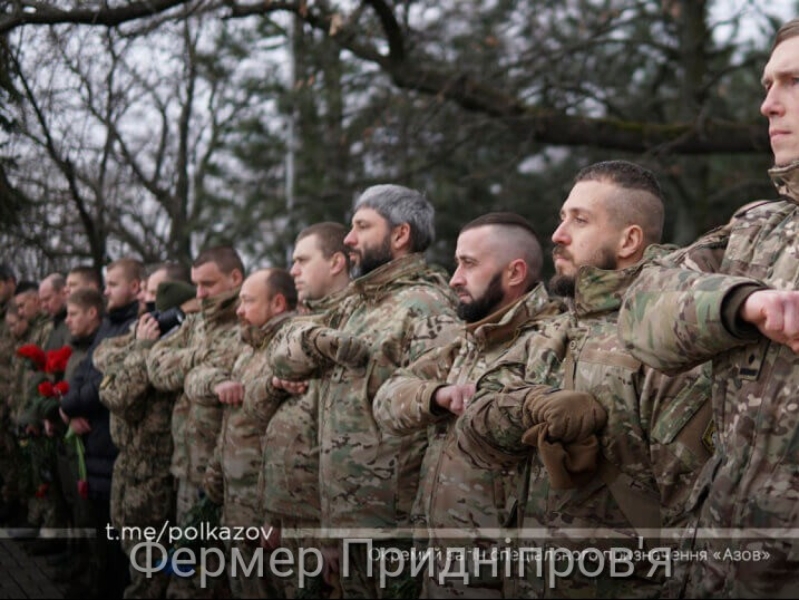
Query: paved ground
point(23, 575)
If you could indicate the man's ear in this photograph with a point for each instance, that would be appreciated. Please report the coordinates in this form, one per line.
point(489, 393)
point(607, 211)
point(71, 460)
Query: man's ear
point(401, 237)
point(236, 277)
point(338, 263)
point(279, 304)
point(516, 273)
point(631, 243)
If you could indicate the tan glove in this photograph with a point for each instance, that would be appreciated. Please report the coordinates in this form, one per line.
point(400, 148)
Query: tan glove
point(569, 465)
point(339, 347)
point(568, 415)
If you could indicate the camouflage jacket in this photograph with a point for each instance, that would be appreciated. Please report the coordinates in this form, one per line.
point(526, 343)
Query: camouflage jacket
point(7, 347)
point(140, 415)
point(59, 332)
point(289, 485)
point(681, 312)
point(652, 448)
point(232, 475)
point(23, 406)
point(194, 359)
point(370, 478)
point(454, 492)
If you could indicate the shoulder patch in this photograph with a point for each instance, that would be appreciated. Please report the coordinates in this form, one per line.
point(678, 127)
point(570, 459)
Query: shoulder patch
point(707, 437)
point(106, 382)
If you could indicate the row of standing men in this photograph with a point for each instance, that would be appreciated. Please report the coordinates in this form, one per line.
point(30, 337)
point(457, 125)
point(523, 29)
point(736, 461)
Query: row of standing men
point(644, 400)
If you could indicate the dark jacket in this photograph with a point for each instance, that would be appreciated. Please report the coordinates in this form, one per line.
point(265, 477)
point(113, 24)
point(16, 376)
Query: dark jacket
point(83, 400)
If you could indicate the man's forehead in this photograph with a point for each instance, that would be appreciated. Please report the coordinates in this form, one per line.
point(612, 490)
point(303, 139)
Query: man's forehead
point(784, 60)
point(367, 214)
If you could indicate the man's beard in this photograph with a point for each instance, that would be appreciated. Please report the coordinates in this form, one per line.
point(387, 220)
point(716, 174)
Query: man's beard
point(481, 307)
point(565, 285)
point(372, 258)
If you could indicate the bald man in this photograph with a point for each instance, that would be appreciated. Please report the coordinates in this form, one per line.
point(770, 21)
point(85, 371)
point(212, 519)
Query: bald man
point(497, 278)
point(266, 301)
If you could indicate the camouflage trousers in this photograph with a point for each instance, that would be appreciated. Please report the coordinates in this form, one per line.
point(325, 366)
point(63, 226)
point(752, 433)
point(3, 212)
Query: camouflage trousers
point(445, 585)
point(745, 568)
point(192, 587)
point(295, 536)
point(141, 503)
point(362, 580)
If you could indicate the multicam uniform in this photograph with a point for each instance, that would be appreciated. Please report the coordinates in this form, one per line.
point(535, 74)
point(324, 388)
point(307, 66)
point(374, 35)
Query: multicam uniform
point(462, 505)
point(142, 488)
point(289, 484)
point(650, 451)
point(38, 448)
point(192, 360)
point(683, 311)
point(232, 475)
point(7, 440)
point(368, 479)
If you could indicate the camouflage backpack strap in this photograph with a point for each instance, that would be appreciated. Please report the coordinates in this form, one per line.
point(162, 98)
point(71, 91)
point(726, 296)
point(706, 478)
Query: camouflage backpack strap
point(640, 506)
point(523, 490)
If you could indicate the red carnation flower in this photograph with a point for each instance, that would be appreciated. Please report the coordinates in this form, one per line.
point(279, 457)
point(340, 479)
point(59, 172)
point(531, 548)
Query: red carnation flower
point(57, 360)
point(46, 389)
point(83, 489)
point(61, 388)
point(34, 354)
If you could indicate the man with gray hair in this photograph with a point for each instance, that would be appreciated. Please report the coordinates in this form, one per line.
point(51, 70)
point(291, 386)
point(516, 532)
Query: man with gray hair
point(399, 307)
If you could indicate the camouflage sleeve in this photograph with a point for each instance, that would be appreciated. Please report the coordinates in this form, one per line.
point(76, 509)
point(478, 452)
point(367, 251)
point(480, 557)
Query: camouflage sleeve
point(672, 318)
point(491, 428)
point(111, 350)
point(216, 367)
point(262, 399)
point(293, 355)
point(442, 329)
point(403, 403)
point(124, 387)
point(680, 417)
point(172, 357)
point(213, 480)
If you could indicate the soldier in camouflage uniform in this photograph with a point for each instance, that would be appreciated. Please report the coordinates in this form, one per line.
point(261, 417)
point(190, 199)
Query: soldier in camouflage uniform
point(619, 445)
point(16, 474)
point(732, 298)
point(499, 261)
point(53, 302)
point(401, 308)
point(142, 488)
point(266, 302)
point(289, 486)
point(28, 425)
point(8, 283)
point(191, 362)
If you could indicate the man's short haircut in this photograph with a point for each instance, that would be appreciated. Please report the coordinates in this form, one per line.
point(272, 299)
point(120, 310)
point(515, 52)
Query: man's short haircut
point(329, 238)
point(397, 205)
point(642, 202)
point(6, 272)
point(787, 31)
point(175, 271)
point(133, 268)
point(57, 281)
point(280, 281)
point(519, 240)
point(224, 257)
point(88, 274)
point(86, 298)
point(26, 287)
